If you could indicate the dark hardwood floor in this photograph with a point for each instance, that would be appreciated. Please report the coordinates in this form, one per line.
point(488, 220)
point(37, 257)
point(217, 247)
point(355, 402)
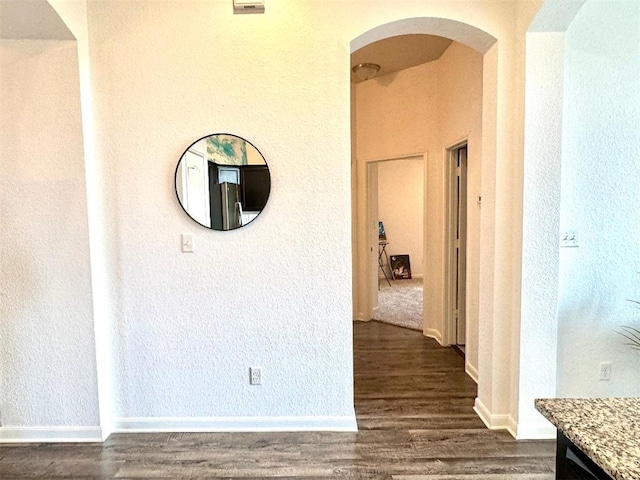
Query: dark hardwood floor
point(415, 418)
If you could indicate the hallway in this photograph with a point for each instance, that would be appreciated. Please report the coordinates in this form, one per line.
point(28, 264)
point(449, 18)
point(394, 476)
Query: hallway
point(406, 381)
point(414, 409)
point(417, 392)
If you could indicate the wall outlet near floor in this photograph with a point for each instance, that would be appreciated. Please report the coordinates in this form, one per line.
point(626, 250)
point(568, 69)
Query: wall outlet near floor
point(605, 371)
point(255, 375)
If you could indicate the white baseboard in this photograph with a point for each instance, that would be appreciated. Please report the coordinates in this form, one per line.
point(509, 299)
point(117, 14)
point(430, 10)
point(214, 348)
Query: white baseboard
point(535, 431)
point(471, 371)
point(435, 334)
point(159, 424)
point(512, 426)
point(519, 431)
point(492, 421)
point(235, 424)
point(50, 434)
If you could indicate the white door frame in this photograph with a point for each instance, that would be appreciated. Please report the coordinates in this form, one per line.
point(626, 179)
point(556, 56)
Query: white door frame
point(449, 320)
point(367, 251)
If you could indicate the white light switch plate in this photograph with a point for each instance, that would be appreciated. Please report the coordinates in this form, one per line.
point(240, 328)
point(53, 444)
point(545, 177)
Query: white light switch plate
point(187, 243)
point(569, 238)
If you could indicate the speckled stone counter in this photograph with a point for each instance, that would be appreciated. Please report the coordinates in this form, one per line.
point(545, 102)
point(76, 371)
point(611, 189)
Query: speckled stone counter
point(607, 430)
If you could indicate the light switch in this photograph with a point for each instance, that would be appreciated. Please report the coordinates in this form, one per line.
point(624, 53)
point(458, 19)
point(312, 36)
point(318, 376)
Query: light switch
point(569, 238)
point(187, 243)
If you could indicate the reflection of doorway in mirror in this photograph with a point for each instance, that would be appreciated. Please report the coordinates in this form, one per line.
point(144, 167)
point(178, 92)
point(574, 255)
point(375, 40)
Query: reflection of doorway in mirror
point(194, 187)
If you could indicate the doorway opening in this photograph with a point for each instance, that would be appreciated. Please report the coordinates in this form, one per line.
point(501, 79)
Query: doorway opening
point(396, 218)
point(462, 101)
point(457, 244)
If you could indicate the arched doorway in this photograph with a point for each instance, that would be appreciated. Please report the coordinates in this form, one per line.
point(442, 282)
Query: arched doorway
point(483, 139)
point(432, 147)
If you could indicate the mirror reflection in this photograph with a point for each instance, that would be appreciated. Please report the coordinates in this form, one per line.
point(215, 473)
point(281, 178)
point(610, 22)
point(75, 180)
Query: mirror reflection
point(222, 181)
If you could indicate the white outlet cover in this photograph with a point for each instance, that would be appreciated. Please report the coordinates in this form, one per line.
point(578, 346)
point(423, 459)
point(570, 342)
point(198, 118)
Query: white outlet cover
point(605, 371)
point(255, 375)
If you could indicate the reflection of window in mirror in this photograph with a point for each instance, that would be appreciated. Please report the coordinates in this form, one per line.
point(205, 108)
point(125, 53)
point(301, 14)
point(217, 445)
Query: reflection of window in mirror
point(228, 174)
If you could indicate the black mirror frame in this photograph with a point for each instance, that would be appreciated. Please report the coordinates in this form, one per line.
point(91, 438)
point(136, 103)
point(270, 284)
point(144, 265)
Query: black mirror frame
point(175, 180)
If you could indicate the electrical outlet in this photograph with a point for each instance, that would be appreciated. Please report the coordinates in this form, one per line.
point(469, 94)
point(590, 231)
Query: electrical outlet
point(255, 376)
point(605, 371)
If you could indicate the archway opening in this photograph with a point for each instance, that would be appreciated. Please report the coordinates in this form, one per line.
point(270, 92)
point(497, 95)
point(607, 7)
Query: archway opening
point(480, 133)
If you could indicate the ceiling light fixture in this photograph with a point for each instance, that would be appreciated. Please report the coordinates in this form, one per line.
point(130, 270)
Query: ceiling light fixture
point(365, 71)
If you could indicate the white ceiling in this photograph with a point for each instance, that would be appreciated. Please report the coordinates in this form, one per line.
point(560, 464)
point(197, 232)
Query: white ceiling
point(397, 53)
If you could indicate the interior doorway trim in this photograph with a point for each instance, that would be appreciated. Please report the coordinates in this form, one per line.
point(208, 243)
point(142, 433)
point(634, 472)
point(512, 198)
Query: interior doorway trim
point(449, 323)
point(366, 251)
point(405, 156)
point(498, 251)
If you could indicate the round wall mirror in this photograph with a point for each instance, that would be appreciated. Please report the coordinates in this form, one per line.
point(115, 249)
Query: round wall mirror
point(222, 181)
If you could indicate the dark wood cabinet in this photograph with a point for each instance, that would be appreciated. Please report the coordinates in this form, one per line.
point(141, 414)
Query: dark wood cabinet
point(255, 182)
point(572, 463)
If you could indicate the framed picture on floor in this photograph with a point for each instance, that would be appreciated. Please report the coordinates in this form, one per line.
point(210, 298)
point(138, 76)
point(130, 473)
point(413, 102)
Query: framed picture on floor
point(400, 267)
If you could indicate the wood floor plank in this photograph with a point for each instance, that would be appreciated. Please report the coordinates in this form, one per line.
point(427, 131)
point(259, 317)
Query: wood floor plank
point(506, 476)
point(414, 408)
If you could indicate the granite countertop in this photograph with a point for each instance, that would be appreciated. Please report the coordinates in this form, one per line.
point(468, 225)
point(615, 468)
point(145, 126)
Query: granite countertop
point(606, 429)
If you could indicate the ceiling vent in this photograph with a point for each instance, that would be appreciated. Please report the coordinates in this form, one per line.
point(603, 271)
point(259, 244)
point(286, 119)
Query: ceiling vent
point(248, 6)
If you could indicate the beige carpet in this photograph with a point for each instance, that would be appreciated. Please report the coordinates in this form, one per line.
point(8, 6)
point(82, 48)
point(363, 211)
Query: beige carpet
point(401, 303)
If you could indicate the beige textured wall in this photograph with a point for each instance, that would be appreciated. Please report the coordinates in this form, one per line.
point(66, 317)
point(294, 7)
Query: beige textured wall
point(400, 207)
point(183, 329)
point(397, 114)
point(47, 349)
point(599, 186)
point(460, 114)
